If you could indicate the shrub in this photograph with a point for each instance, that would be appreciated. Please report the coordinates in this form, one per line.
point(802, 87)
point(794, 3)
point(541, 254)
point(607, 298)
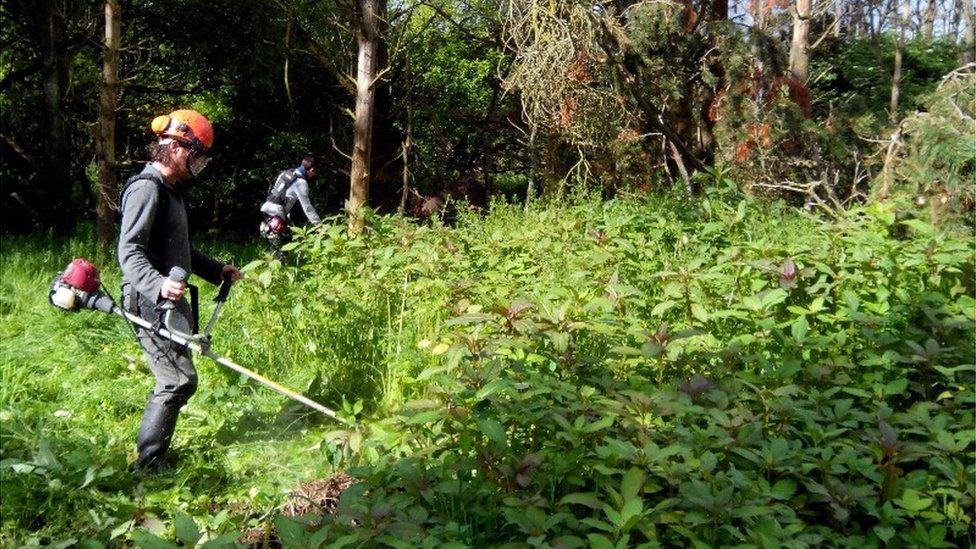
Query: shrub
point(932, 156)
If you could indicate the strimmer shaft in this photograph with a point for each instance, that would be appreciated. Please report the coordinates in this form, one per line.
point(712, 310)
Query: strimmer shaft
point(205, 350)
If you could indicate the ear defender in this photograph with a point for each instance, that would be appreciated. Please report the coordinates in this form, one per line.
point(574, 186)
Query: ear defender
point(160, 124)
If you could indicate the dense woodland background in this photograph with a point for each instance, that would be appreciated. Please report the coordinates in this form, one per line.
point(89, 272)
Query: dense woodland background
point(812, 100)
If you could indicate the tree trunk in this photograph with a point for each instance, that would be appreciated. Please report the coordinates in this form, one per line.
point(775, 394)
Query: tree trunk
point(862, 27)
point(285, 73)
point(105, 142)
point(906, 10)
point(55, 172)
point(485, 156)
point(968, 55)
point(706, 126)
point(386, 170)
point(799, 57)
point(956, 17)
point(838, 15)
point(359, 175)
point(928, 21)
point(408, 134)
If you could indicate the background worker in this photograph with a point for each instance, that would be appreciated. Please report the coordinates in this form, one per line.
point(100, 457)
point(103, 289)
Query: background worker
point(154, 238)
point(290, 186)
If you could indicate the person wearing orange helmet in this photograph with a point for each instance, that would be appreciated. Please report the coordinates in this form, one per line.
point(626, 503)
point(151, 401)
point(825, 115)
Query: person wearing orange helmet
point(153, 239)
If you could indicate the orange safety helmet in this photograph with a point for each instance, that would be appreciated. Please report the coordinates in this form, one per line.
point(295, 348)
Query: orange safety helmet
point(186, 126)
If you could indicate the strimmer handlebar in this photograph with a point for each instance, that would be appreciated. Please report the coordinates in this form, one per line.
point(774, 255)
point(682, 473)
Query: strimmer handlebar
point(176, 274)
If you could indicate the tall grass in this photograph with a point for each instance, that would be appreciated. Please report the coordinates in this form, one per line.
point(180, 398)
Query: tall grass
point(72, 392)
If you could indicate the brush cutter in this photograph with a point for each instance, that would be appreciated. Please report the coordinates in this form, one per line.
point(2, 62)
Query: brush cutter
point(79, 287)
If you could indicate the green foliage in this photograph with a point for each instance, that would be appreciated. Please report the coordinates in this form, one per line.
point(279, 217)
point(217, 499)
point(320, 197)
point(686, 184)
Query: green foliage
point(449, 94)
point(172, 57)
point(696, 376)
point(854, 77)
point(716, 372)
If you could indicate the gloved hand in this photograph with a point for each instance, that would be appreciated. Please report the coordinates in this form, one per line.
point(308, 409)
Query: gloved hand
point(171, 289)
point(230, 272)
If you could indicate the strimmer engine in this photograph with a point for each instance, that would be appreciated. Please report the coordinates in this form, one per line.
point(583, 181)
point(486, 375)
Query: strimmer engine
point(77, 287)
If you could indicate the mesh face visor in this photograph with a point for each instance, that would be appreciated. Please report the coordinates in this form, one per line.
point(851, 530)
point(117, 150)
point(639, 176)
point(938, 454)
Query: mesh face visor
point(196, 163)
point(198, 158)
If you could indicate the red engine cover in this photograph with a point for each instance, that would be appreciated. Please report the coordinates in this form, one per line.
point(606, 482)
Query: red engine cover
point(81, 274)
point(276, 225)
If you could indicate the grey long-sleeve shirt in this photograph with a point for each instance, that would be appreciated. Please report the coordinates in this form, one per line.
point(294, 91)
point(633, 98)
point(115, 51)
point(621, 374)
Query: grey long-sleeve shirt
point(297, 192)
point(154, 236)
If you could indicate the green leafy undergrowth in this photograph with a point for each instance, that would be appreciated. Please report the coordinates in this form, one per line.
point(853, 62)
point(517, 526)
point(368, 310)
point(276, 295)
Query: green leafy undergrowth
point(671, 372)
point(707, 374)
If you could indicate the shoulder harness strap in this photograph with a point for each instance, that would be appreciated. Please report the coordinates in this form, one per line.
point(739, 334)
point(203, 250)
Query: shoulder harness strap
point(141, 176)
point(277, 196)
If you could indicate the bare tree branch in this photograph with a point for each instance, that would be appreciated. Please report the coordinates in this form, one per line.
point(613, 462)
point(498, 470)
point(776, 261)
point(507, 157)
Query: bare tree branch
point(327, 61)
point(24, 155)
point(467, 33)
point(142, 88)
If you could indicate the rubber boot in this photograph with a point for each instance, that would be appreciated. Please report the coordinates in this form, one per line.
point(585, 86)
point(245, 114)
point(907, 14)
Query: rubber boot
point(155, 433)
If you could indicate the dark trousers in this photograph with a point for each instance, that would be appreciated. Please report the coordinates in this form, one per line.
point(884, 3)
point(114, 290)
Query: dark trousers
point(176, 378)
point(171, 364)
